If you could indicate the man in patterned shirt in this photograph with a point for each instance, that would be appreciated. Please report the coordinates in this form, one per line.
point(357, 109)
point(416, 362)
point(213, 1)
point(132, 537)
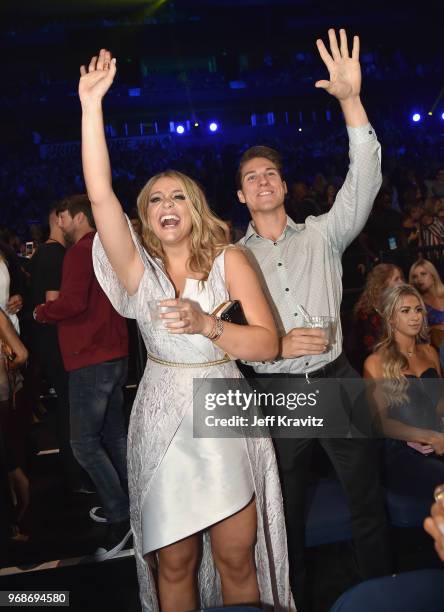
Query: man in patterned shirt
point(301, 265)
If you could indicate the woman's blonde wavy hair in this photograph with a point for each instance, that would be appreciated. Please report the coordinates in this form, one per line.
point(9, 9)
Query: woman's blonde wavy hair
point(392, 360)
point(425, 263)
point(209, 234)
point(375, 284)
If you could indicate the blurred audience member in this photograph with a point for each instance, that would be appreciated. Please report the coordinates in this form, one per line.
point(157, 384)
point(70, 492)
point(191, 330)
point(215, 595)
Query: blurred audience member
point(384, 226)
point(329, 196)
point(93, 341)
point(366, 329)
point(432, 227)
point(45, 279)
point(11, 284)
point(425, 277)
point(135, 221)
point(436, 186)
point(406, 398)
point(11, 240)
point(301, 203)
point(13, 355)
point(318, 188)
point(412, 224)
point(439, 208)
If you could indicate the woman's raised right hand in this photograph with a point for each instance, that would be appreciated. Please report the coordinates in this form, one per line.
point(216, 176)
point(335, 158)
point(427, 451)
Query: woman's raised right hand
point(97, 78)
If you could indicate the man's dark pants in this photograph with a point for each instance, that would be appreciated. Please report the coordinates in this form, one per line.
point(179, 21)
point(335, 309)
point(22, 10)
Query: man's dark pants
point(356, 462)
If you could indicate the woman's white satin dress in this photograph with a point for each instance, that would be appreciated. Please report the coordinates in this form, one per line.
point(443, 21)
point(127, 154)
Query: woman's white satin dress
point(180, 485)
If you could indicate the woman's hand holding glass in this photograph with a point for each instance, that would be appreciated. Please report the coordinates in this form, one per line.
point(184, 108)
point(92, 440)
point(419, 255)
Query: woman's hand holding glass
point(187, 318)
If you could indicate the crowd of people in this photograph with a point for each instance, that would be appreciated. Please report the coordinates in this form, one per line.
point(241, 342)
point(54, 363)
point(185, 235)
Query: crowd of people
point(170, 267)
point(407, 216)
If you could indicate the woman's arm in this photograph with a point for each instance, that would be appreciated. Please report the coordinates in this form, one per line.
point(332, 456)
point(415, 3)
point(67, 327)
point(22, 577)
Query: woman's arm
point(9, 335)
point(257, 341)
point(392, 428)
point(108, 214)
point(432, 352)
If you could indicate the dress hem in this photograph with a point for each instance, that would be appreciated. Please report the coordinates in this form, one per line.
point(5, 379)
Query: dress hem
point(224, 515)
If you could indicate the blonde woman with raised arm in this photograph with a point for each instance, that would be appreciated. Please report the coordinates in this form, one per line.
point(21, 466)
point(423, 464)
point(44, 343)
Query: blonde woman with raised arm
point(206, 513)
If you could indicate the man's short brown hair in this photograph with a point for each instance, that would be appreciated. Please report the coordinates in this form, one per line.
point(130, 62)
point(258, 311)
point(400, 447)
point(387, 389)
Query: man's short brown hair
point(75, 204)
point(258, 151)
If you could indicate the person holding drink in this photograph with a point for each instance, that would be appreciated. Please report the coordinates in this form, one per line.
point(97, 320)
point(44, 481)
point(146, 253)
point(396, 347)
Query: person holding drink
point(206, 513)
point(301, 265)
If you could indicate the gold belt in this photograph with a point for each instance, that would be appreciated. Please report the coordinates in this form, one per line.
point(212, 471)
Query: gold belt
point(176, 364)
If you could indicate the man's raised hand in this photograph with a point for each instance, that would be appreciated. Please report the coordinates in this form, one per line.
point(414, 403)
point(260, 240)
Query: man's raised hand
point(344, 71)
point(97, 78)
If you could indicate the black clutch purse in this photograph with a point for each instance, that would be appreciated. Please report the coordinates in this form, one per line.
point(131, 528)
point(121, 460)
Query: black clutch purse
point(231, 312)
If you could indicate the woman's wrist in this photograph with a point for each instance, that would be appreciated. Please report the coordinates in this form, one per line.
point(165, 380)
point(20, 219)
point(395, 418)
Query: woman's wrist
point(216, 329)
point(208, 325)
point(91, 106)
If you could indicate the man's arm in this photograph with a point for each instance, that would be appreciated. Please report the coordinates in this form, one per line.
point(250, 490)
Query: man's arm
point(355, 199)
point(73, 297)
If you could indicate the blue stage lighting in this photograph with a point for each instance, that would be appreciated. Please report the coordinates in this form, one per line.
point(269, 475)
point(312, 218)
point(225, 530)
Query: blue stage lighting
point(213, 127)
point(416, 117)
point(442, 116)
point(180, 129)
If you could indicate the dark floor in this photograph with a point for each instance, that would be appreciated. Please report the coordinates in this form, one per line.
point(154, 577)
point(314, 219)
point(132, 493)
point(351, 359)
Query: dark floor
point(60, 529)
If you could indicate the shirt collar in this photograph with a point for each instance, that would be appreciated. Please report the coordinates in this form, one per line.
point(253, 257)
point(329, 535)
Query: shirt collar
point(289, 228)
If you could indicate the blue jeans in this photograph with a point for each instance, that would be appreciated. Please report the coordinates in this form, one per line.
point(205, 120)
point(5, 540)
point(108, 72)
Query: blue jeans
point(98, 432)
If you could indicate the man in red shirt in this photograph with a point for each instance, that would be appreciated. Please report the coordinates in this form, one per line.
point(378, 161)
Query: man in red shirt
point(93, 340)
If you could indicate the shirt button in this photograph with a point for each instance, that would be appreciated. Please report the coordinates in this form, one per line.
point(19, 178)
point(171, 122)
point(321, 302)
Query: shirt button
point(295, 314)
point(279, 264)
point(263, 362)
point(370, 132)
point(306, 363)
point(287, 289)
point(257, 235)
point(275, 243)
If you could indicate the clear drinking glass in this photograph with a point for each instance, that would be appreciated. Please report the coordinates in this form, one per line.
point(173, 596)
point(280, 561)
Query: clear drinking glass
point(156, 310)
point(327, 323)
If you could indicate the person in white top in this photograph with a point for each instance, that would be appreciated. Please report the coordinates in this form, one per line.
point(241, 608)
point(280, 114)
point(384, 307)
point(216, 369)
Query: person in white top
point(11, 304)
point(219, 493)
